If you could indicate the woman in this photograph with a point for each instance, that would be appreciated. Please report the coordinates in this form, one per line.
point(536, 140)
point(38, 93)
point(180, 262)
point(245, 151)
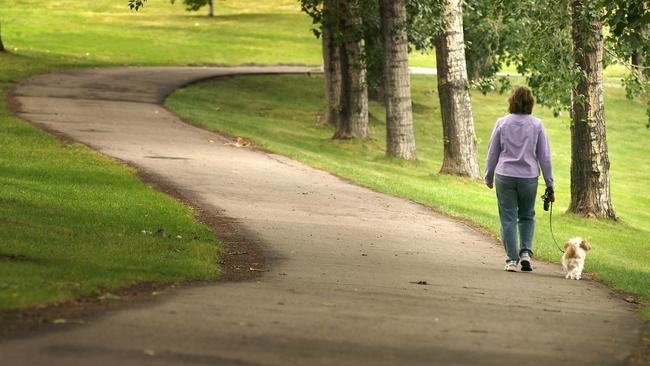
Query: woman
point(518, 148)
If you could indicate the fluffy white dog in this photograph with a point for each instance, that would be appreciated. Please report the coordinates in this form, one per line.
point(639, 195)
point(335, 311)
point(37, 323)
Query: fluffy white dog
point(573, 260)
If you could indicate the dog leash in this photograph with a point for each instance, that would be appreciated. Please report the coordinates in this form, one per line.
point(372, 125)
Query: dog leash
point(550, 225)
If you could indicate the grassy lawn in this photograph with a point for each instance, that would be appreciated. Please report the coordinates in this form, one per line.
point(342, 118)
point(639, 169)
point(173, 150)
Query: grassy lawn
point(72, 221)
point(281, 113)
point(75, 221)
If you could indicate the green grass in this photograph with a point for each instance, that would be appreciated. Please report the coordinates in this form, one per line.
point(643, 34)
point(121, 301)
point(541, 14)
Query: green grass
point(76, 219)
point(107, 32)
point(283, 114)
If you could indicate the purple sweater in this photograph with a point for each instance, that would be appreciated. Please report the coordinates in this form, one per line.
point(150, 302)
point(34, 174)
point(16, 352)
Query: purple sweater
point(518, 148)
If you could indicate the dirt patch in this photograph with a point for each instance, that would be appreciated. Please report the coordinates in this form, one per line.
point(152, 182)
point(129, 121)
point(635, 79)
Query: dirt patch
point(15, 323)
point(242, 259)
point(14, 257)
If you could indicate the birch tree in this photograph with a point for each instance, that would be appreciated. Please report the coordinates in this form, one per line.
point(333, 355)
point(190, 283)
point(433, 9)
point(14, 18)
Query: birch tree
point(590, 184)
point(339, 23)
point(400, 140)
point(460, 156)
point(354, 89)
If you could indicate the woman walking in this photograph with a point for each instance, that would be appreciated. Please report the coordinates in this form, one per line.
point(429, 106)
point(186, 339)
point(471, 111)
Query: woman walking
point(517, 150)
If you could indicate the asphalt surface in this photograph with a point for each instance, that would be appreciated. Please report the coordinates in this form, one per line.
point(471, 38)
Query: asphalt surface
point(342, 261)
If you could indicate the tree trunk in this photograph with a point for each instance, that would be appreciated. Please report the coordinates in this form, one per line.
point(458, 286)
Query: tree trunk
point(354, 92)
point(453, 89)
point(590, 188)
point(400, 141)
point(477, 65)
point(638, 55)
point(211, 8)
point(331, 67)
point(373, 43)
point(2, 46)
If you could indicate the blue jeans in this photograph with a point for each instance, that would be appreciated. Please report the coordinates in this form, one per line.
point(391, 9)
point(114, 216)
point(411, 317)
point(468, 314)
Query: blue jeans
point(516, 197)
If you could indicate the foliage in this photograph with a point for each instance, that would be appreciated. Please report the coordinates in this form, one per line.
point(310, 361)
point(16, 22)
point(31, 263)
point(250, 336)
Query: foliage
point(545, 53)
point(626, 20)
point(314, 8)
point(490, 41)
point(136, 4)
point(374, 50)
point(369, 30)
point(193, 5)
point(536, 37)
point(628, 36)
point(484, 33)
point(425, 22)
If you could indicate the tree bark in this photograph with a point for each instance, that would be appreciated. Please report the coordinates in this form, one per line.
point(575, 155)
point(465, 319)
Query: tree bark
point(590, 188)
point(331, 66)
point(354, 91)
point(400, 140)
point(211, 8)
point(453, 89)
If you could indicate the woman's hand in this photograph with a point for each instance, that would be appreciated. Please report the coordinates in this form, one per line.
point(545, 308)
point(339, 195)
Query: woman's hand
point(551, 192)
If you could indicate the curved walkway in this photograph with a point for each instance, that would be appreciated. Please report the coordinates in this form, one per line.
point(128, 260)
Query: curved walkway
point(343, 261)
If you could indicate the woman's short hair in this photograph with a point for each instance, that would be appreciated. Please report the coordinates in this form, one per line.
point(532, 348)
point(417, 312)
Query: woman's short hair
point(521, 101)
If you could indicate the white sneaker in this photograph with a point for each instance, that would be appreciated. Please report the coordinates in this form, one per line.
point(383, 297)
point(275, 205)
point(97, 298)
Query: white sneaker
point(511, 266)
point(525, 262)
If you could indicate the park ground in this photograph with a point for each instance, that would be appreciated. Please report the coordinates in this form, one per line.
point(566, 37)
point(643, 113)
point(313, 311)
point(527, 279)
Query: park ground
point(76, 224)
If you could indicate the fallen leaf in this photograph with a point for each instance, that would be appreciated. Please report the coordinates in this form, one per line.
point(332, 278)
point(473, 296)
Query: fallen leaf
point(162, 232)
point(109, 296)
point(149, 352)
point(631, 300)
point(421, 282)
point(59, 321)
point(237, 253)
point(242, 142)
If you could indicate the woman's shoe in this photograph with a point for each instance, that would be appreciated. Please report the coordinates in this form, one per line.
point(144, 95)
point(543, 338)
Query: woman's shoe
point(525, 263)
point(511, 266)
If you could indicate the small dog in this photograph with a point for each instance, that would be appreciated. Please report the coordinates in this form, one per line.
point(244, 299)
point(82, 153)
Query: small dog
point(573, 260)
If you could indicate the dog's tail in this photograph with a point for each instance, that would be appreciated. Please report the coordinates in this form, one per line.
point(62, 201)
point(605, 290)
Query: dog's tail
point(571, 252)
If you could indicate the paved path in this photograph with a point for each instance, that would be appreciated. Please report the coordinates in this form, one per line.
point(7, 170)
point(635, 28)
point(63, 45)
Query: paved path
point(341, 260)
